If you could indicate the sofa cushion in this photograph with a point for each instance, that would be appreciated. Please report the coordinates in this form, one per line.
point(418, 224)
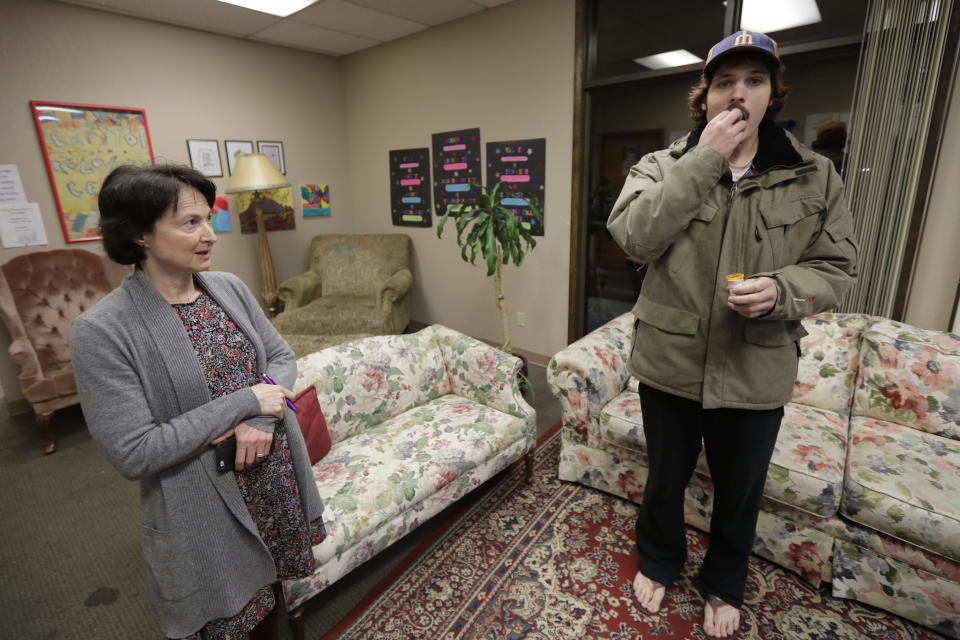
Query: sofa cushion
point(806, 470)
point(371, 477)
point(362, 383)
point(828, 364)
point(911, 377)
point(904, 483)
point(303, 344)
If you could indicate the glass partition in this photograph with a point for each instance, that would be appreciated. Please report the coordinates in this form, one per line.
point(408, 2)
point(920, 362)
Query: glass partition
point(636, 105)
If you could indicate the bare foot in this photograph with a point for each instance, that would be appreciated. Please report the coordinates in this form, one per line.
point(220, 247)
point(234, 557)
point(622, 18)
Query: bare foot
point(720, 620)
point(649, 594)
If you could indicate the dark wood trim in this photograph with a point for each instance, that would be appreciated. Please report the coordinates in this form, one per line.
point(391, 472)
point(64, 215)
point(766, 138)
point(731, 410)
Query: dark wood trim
point(928, 165)
point(575, 305)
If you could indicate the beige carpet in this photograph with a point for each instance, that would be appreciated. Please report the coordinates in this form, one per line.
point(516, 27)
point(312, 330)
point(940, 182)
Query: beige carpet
point(70, 543)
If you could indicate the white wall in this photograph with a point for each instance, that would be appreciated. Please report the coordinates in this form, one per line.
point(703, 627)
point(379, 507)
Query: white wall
point(192, 84)
point(508, 71)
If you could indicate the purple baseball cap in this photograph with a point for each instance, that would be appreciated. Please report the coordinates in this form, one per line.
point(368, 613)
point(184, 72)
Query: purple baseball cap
point(742, 42)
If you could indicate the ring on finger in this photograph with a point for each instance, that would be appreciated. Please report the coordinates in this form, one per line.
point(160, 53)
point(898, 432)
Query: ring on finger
point(260, 455)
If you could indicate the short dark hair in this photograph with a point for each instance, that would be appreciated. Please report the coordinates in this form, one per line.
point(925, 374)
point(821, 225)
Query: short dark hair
point(778, 90)
point(133, 198)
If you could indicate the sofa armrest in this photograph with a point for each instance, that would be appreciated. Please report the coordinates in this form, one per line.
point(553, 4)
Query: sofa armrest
point(483, 373)
point(393, 289)
point(23, 354)
point(589, 373)
point(300, 290)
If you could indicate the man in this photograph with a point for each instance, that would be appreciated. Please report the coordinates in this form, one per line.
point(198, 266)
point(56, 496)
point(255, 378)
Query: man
point(716, 366)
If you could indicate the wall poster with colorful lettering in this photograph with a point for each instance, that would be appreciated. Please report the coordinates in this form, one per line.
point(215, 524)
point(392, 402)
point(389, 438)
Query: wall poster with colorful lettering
point(410, 187)
point(81, 144)
point(456, 168)
point(520, 165)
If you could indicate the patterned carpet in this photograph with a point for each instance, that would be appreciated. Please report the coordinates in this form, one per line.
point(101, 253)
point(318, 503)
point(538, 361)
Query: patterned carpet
point(553, 560)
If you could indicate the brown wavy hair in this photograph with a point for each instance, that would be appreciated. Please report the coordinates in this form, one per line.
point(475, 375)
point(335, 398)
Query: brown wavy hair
point(778, 90)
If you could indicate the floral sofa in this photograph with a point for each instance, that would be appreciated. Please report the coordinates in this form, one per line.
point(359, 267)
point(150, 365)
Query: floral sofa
point(863, 491)
point(417, 421)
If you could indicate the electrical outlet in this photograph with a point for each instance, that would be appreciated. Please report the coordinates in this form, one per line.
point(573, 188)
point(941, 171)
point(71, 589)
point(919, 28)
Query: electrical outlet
point(521, 319)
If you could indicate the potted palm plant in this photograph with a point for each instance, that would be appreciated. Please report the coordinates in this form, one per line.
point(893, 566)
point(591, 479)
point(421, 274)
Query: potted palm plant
point(491, 230)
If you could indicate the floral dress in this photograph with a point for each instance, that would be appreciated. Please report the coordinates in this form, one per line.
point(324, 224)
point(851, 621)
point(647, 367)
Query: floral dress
point(269, 488)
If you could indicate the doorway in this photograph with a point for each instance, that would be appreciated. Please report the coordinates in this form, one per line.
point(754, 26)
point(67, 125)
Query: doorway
point(614, 278)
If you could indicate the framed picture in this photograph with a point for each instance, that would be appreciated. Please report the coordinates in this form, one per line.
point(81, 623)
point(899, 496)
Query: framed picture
point(205, 157)
point(236, 148)
point(81, 143)
point(274, 151)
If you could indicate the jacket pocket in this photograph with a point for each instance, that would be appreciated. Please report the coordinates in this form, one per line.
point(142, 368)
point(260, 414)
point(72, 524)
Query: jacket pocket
point(667, 350)
point(172, 573)
point(787, 213)
point(773, 333)
point(780, 221)
point(762, 369)
point(666, 318)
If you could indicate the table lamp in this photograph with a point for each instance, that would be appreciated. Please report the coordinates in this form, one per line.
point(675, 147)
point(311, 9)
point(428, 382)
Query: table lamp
point(254, 172)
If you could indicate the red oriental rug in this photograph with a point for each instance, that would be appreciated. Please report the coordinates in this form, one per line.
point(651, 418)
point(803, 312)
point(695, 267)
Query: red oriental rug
point(553, 560)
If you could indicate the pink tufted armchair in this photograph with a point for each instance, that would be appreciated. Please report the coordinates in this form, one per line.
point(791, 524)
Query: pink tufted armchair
point(40, 295)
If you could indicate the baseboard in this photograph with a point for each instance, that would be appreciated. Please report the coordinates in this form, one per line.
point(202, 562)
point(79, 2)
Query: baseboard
point(533, 358)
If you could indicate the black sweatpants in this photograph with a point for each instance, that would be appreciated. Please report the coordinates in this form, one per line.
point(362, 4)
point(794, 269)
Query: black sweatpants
point(739, 444)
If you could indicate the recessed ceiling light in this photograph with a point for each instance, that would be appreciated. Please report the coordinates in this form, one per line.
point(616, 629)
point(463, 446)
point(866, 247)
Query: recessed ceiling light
point(676, 58)
point(768, 16)
point(281, 8)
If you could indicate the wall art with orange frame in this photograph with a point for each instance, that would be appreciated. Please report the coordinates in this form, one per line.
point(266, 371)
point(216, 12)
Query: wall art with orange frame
point(81, 144)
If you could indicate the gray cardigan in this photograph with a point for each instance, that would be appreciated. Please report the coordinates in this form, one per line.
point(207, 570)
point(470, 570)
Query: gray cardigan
point(146, 403)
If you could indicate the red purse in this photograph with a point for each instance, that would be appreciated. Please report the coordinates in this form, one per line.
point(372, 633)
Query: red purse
point(313, 426)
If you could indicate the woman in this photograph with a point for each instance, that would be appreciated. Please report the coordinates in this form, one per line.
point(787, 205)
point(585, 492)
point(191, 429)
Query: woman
point(169, 364)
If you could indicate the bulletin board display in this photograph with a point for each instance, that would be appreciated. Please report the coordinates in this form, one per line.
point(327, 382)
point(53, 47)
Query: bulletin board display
point(410, 187)
point(456, 168)
point(520, 165)
point(81, 144)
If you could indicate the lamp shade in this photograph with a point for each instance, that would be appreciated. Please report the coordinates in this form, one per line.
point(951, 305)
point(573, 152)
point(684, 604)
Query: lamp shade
point(255, 172)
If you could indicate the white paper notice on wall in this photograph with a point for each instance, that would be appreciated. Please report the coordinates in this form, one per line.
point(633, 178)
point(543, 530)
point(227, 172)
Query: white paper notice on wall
point(21, 225)
point(11, 189)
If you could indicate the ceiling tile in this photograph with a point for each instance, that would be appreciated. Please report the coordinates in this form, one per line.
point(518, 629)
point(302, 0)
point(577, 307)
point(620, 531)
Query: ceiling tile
point(207, 15)
point(312, 38)
point(432, 12)
point(335, 27)
point(352, 18)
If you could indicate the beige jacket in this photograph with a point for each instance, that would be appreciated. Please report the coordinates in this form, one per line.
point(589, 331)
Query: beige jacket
point(680, 213)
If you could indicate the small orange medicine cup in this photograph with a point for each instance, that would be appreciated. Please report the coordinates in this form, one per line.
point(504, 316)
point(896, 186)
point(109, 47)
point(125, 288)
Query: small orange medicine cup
point(734, 280)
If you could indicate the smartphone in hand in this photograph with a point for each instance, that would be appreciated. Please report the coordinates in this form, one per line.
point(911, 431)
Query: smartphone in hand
point(226, 454)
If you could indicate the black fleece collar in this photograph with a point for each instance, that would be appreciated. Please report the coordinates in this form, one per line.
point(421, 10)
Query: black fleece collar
point(774, 148)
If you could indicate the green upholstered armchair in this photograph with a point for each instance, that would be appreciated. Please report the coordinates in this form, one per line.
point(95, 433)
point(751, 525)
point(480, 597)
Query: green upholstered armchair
point(356, 284)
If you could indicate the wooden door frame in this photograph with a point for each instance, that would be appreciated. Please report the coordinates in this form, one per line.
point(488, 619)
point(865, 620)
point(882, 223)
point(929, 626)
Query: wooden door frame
point(585, 41)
